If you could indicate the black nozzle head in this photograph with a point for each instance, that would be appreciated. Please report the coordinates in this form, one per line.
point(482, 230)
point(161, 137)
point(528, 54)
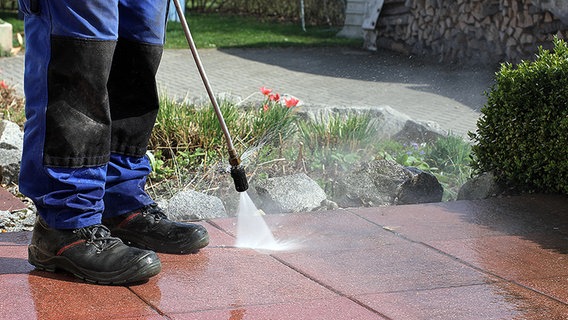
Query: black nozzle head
point(240, 178)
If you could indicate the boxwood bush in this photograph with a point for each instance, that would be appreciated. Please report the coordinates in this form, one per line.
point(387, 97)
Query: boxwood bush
point(522, 134)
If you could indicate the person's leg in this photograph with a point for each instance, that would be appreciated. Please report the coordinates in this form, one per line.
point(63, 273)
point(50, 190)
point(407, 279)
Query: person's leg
point(67, 132)
point(134, 102)
point(69, 49)
point(129, 211)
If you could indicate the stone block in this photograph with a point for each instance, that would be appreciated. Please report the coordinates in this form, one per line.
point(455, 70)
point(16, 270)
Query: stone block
point(5, 37)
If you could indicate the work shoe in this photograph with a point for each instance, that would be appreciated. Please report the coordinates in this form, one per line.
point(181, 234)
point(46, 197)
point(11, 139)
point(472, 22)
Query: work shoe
point(90, 254)
point(149, 228)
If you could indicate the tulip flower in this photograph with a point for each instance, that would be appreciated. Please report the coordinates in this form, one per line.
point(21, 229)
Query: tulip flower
point(265, 91)
point(291, 102)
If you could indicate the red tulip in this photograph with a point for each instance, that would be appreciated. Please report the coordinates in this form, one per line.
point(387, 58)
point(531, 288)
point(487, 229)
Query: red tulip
point(265, 91)
point(291, 102)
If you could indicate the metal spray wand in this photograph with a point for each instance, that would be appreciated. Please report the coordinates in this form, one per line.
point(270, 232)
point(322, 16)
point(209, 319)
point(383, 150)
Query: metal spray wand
point(237, 170)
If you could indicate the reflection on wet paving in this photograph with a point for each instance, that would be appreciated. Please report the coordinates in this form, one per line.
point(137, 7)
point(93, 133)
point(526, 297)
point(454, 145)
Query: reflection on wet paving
point(492, 259)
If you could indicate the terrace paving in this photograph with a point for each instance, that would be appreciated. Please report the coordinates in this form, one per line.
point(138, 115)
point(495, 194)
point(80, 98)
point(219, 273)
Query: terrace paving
point(503, 258)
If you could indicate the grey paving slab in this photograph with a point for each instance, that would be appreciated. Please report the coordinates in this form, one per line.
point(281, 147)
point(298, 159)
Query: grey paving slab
point(12, 72)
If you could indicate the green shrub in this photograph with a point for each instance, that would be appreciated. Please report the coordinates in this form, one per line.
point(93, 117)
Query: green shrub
point(522, 135)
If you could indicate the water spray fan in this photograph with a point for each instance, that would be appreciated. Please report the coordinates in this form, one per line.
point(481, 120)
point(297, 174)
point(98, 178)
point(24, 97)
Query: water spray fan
point(237, 170)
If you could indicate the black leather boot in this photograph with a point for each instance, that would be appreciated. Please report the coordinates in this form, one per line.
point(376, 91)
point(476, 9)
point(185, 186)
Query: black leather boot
point(150, 228)
point(90, 254)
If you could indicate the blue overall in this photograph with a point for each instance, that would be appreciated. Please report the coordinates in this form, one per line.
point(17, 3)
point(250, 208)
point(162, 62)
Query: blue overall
point(91, 103)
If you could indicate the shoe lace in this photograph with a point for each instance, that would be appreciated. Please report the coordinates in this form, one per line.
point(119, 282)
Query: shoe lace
point(155, 211)
point(98, 236)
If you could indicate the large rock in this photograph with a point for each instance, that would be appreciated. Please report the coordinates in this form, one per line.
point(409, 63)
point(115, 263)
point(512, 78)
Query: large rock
point(294, 193)
point(420, 187)
point(481, 187)
point(193, 205)
point(370, 185)
point(383, 183)
point(419, 132)
point(11, 136)
point(11, 145)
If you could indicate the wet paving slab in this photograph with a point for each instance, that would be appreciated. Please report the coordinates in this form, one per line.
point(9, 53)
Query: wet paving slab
point(500, 258)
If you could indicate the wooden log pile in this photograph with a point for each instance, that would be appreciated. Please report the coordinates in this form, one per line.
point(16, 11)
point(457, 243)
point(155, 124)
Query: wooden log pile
point(468, 30)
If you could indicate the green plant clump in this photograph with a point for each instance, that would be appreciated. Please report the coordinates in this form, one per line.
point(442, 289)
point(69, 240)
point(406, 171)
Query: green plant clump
point(523, 131)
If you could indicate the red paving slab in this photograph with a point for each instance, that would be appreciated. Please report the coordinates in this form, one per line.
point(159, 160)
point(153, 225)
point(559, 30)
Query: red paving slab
point(220, 278)
point(519, 258)
point(8, 202)
point(335, 308)
point(495, 301)
point(501, 258)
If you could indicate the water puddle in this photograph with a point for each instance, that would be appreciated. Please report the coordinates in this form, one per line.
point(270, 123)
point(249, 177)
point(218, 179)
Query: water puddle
point(252, 230)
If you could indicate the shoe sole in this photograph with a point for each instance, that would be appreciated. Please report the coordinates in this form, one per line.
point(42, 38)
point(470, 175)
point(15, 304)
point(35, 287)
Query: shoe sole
point(139, 271)
point(133, 239)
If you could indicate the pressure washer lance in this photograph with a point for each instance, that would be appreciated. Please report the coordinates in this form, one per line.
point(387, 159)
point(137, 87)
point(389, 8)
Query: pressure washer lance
point(237, 170)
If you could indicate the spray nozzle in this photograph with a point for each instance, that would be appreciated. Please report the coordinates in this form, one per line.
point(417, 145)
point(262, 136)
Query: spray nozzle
point(238, 172)
point(240, 178)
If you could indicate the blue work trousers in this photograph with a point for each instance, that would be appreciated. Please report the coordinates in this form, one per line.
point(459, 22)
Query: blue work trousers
point(91, 103)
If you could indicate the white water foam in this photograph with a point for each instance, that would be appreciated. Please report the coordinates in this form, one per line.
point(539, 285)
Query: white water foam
point(252, 231)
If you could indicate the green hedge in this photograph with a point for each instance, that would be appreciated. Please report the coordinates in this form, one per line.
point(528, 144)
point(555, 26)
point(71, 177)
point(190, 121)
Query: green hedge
point(316, 12)
point(522, 135)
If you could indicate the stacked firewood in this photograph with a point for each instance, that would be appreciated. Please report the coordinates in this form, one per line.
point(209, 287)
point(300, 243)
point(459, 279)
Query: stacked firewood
point(468, 30)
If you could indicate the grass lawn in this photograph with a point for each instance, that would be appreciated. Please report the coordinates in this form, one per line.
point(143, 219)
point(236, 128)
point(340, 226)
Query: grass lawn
point(223, 31)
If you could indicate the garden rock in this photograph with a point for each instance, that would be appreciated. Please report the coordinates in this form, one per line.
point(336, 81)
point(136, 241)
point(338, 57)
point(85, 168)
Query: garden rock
point(480, 187)
point(383, 183)
point(294, 193)
point(193, 205)
point(420, 187)
point(11, 136)
point(371, 184)
point(419, 132)
point(11, 144)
